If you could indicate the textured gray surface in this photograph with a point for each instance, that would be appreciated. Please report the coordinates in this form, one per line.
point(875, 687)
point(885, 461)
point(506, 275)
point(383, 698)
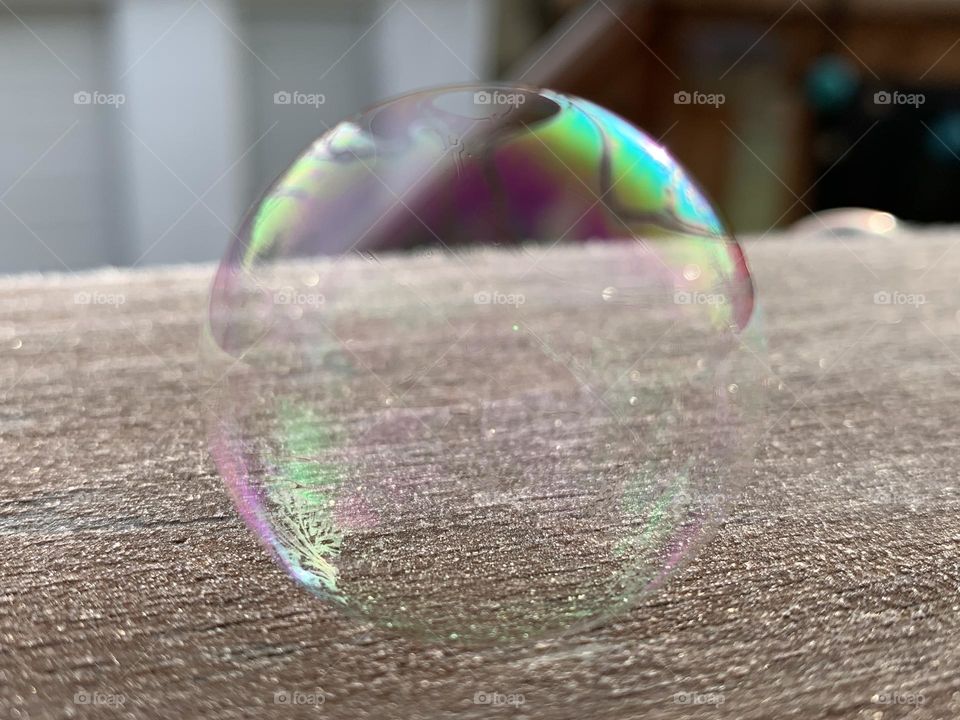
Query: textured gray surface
point(833, 587)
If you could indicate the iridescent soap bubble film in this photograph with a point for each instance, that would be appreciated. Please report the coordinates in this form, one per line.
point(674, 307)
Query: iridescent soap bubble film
point(845, 223)
point(475, 336)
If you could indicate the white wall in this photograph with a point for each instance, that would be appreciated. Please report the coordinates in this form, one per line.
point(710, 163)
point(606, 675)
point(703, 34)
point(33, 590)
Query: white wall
point(53, 169)
point(181, 132)
point(421, 43)
point(165, 176)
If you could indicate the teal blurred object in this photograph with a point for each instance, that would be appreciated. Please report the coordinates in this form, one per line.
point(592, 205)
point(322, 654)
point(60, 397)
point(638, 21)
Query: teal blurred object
point(943, 140)
point(832, 83)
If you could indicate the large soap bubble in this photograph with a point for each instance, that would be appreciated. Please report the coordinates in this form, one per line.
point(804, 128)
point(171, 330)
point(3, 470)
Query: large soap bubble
point(480, 367)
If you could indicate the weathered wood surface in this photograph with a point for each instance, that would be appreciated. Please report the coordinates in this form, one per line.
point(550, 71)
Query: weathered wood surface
point(834, 586)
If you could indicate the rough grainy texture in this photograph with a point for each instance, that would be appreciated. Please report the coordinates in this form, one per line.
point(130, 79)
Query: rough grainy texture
point(832, 590)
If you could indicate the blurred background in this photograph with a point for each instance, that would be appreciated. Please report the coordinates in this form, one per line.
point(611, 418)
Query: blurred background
point(137, 132)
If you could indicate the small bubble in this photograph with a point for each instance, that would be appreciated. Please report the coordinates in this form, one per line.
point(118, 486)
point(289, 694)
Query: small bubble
point(608, 293)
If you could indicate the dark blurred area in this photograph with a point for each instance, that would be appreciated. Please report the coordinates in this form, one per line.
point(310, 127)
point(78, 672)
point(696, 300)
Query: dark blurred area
point(782, 108)
point(137, 132)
